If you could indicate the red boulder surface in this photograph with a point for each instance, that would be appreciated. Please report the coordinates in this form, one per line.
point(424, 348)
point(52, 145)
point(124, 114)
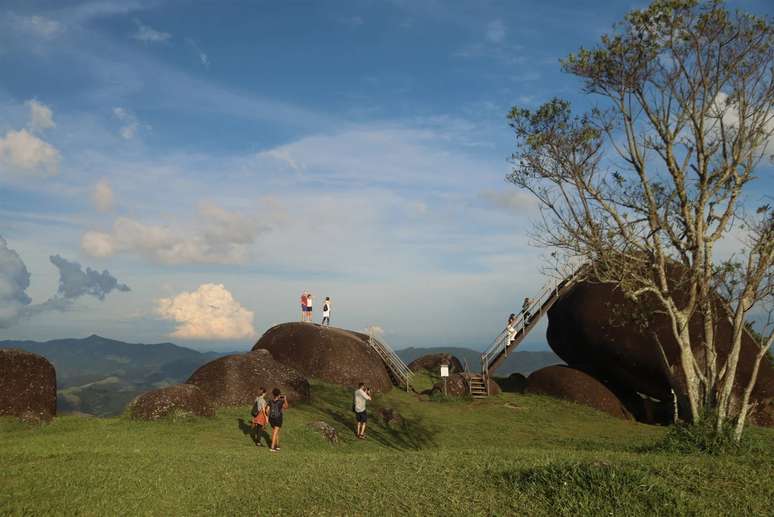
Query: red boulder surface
point(178, 399)
point(588, 330)
point(433, 363)
point(330, 354)
point(27, 385)
point(235, 380)
point(570, 384)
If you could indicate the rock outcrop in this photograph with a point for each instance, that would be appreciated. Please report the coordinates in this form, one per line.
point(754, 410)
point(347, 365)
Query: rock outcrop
point(27, 386)
point(589, 330)
point(515, 383)
point(326, 430)
point(433, 363)
point(177, 400)
point(327, 353)
point(570, 384)
point(457, 385)
point(235, 380)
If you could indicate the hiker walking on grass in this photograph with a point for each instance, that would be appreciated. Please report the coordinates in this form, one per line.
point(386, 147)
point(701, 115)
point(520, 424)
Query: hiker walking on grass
point(260, 419)
point(361, 415)
point(277, 406)
point(326, 310)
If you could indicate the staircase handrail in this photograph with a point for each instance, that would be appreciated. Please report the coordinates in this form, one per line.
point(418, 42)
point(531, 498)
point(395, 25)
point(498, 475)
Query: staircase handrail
point(392, 360)
point(535, 309)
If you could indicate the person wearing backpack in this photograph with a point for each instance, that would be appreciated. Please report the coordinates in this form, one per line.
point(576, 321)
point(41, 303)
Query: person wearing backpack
point(359, 406)
point(277, 405)
point(259, 417)
point(326, 310)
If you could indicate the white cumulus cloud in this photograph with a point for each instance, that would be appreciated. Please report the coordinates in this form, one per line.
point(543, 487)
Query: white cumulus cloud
point(25, 152)
point(210, 312)
point(41, 117)
point(103, 196)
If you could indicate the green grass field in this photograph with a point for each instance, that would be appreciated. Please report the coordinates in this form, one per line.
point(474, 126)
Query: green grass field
point(508, 455)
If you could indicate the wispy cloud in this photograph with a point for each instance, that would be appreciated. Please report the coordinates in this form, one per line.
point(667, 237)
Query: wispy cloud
point(129, 123)
point(495, 32)
point(148, 34)
point(41, 116)
point(219, 237)
point(203, 58)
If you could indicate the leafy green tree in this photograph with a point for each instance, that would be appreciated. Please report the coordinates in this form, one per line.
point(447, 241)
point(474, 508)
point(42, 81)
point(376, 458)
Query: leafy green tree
point(645, 185)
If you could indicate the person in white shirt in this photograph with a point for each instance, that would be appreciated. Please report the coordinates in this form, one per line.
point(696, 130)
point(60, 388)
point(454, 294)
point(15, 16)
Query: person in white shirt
point(326, 310)
point(510, 328)
point(359, 406)
point(309, 307)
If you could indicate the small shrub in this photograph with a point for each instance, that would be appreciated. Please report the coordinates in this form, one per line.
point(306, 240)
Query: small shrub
point(596, 488)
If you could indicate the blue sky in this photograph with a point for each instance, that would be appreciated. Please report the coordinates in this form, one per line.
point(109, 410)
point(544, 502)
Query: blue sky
point(219, 157)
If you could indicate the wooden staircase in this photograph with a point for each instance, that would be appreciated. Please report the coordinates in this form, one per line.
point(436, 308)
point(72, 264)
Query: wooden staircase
point(477, 386)
point(502, 346)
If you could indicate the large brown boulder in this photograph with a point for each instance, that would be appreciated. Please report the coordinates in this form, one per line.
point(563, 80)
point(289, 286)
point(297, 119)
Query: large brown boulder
point(589, 329)
point(27, 385)
point(570, 384)
point(236, 380)
point(514, 383)
point(178, 399)
point(433, 363)
point(330, 354)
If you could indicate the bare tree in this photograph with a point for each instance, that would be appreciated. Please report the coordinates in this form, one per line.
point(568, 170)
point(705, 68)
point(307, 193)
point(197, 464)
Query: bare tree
point(645, 186)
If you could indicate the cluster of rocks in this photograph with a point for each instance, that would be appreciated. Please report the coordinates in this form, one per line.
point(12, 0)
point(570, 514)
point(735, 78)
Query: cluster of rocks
point(433, 362)
point(284, 357)
point(615, 365)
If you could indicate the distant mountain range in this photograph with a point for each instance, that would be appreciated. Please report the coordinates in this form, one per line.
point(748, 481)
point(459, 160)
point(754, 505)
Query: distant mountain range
point(99, 376)
point(524, 362)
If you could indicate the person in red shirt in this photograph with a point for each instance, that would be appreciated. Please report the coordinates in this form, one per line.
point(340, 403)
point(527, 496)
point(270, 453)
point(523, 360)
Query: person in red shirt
point(303, 306)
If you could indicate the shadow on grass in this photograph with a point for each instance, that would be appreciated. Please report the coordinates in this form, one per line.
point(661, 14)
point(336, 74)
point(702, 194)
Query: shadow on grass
point(255, 433)
point(411, 434)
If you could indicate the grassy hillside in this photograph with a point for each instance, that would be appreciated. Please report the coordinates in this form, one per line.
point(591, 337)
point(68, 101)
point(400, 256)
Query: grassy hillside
point(508, 455)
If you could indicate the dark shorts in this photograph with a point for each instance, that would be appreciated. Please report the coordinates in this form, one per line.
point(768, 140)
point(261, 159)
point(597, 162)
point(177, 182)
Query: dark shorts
point(275, 422)
point(362, 417)
point(306, 309)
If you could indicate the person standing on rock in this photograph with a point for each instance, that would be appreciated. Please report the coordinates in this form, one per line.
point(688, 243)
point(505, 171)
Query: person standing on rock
point(259, 416)
point(309, 307)
point(303, 305)
point(326, 310)
point(277, 406)
point(361, 415)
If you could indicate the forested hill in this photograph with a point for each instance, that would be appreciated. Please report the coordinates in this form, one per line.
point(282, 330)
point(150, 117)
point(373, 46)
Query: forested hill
point(99, 376)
